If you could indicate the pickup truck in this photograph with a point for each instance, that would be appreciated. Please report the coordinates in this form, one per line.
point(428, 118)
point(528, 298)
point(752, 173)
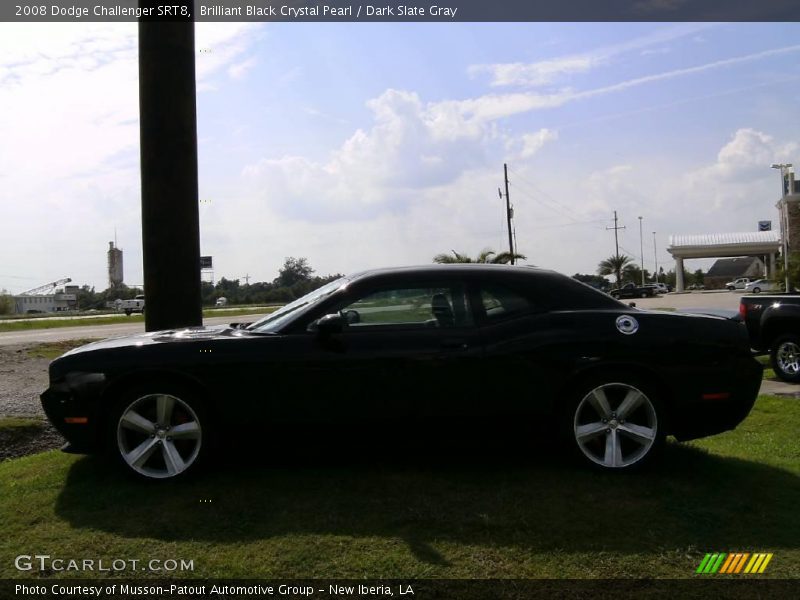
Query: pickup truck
point(132, 306)
point(738, 284)
point(773, 324)
point(631, 290)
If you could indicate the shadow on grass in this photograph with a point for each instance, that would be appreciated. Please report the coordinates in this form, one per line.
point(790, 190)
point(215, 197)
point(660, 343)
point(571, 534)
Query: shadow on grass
point(690, 499)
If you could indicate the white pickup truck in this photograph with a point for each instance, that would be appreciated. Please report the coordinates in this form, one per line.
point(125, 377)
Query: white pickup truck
point(132, 306)
point(738, 284)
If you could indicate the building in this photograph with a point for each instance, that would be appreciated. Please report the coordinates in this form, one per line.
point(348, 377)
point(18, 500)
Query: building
point(58, 301)
point(115, 273)
point(729, 269)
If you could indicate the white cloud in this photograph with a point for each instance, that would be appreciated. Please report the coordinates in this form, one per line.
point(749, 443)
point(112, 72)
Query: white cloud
point(551, 70)
point(69, 160)
point(533, 142)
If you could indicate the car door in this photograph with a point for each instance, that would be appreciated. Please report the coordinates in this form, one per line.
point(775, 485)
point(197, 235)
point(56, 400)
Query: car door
point(415, 346)
point(520, 340)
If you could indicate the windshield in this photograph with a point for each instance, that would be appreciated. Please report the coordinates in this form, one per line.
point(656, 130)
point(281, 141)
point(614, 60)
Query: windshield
point(280, 317)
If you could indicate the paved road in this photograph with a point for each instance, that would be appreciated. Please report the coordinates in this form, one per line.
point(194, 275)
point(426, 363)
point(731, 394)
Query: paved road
point(722, 299)
point(97, 331)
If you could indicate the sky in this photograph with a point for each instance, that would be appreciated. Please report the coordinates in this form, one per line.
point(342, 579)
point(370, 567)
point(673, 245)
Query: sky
point(360, 145)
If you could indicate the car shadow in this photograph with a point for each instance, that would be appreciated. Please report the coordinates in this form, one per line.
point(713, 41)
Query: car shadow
point(690, 499)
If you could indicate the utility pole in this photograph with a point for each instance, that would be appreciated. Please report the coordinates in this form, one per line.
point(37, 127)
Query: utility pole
point(655, 254)
point(616, 238)
point(246, 279)
point(616, 228)
point(509, 214)
point(641, 248)
point(784, 167)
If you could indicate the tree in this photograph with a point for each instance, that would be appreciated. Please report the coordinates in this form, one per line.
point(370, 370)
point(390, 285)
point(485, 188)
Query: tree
point(601, 283)
point(487, 256)
point(614, 265)
point(294, 270)
point(6, 302)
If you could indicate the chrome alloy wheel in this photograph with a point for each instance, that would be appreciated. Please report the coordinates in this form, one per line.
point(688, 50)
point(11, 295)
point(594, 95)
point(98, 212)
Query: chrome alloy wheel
point(615, 425)
point(788, 356)
point(159, 436)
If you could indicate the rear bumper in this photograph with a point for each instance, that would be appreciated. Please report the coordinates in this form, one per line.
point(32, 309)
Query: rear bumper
point(717, 403)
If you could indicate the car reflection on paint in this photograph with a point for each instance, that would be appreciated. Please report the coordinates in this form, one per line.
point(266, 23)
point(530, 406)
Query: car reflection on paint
point(490, 345)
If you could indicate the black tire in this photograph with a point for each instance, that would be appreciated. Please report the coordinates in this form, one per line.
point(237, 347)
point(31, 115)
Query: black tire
point(638, 438)
point(785, 357)
point(161, 456)
point(645, 294)
point(757, 290)
point(127, 313)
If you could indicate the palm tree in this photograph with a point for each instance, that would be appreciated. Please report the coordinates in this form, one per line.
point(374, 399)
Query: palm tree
point(614, 265)
point(487, 255)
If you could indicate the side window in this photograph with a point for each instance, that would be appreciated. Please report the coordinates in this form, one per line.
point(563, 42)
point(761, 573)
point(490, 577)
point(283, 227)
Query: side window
point(500, 302)
point(411, 307)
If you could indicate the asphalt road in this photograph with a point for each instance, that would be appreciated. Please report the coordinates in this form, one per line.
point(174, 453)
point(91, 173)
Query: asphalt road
point(58, 334)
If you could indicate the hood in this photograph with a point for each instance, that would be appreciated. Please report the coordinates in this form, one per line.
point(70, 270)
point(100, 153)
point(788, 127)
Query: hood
point(155, 337)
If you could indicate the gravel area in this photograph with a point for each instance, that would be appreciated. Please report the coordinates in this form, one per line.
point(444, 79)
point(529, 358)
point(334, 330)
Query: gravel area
point(22, 379)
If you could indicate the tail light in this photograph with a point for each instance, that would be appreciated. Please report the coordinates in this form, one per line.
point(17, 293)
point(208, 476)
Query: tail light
point(742, 310)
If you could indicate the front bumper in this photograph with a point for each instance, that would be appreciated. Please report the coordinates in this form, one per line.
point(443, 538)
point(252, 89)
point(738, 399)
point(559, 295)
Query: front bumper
point(71, 405)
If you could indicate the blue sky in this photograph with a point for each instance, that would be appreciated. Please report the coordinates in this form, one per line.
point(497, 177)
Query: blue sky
point(360, 145)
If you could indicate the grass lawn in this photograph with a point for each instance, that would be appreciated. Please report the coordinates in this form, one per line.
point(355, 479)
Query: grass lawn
point(466, 516)
point(45, 323)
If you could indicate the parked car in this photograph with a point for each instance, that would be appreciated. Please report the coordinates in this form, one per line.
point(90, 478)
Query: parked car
point(132, 306)
point(696, 286)
point(663, 288)
point(773, 324)
point(485, 345)
point(738, 284)
point(761, 285)
point(631, 290)
point(221, 301)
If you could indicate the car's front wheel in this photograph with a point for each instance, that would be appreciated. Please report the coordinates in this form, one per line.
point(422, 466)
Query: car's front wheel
point(785, 355)
point(757, 290)
point(160, 433)
point(616, 425)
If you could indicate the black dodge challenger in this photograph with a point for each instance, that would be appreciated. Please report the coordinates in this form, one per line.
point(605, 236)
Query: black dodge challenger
point(433, 344)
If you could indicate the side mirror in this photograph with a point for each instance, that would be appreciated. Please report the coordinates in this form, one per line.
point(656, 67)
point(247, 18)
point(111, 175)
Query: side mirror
point(333, 323)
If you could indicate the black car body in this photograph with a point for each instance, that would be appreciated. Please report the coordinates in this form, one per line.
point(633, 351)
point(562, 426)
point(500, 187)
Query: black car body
point(437, 343)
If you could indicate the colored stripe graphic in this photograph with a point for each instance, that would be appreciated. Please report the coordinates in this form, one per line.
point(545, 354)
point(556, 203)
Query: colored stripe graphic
point(728, 562)
point(703, 563)
point(720, 562)
point(765, 563)
point(742, 560)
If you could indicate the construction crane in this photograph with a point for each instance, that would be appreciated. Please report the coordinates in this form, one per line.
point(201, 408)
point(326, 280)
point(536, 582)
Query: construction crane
point(46, 288)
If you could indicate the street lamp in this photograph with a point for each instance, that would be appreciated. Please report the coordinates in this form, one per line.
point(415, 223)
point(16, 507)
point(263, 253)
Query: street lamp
point(641, 249)
point(655, 254)
point(784, 220)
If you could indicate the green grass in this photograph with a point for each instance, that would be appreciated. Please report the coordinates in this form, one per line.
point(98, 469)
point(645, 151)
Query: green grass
point(769, 372)
point(43, 323)
point(8, 424)
point(462, 516)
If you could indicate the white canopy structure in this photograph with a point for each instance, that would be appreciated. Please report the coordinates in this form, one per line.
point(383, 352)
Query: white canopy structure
point(723, 245)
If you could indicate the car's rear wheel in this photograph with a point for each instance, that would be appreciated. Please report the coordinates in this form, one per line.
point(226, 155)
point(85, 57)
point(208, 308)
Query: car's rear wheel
point(757, 290)
point(160, 433)
point(644, 294)
point(785, 358)
point(616, 425)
